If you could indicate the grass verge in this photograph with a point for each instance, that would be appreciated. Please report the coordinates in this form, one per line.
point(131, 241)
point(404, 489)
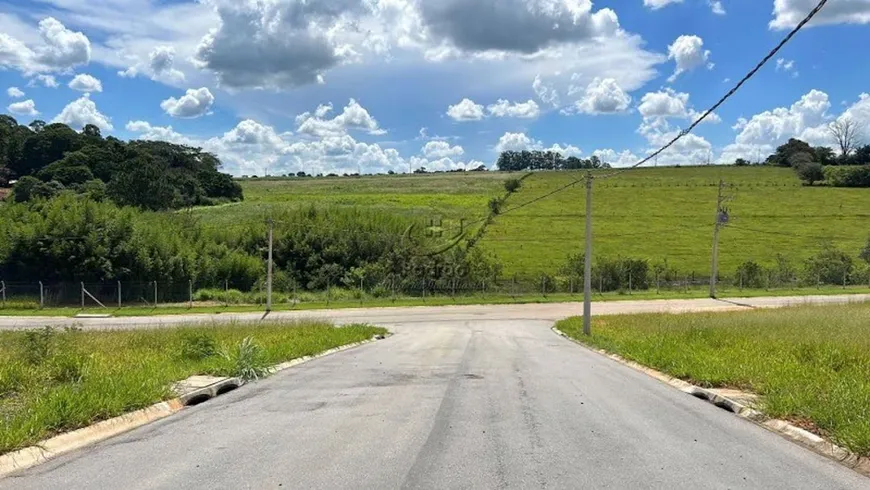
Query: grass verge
point(811, 365)
point(320, 303)
point(53, 381)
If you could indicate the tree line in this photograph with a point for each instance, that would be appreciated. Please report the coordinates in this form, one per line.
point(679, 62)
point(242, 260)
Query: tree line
point(46, 159)
point(515, 161)
point(813, 164)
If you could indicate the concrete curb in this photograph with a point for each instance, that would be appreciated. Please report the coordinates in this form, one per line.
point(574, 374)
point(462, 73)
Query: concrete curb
point(791, 432)
point(70, 441)
point(87, 436)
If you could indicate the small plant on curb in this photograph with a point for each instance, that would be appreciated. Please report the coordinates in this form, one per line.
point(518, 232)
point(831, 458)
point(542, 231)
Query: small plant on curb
point(246, 362)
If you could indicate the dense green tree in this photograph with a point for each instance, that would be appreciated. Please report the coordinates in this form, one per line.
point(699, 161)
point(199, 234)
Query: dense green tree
point(810, 172)
point(160, 175)
point(785, 152)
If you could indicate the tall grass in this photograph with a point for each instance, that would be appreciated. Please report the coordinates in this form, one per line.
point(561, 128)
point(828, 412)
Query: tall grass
point(53, 381)
point(810, 364)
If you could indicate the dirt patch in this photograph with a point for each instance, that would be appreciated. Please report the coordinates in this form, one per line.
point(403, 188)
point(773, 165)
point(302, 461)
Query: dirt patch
point(809, 426)
point(4, 192)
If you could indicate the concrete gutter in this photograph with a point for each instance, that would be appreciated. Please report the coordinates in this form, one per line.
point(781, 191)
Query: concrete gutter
point(783, 428)
point(192, 391)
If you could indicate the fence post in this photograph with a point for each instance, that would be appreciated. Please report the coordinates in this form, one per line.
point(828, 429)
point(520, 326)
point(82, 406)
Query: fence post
point(328, 287)
point(845, 276)
point(3, 291)
point(819, 280)
point(600, 283)
point(361, 290)
point(83, 295)
point(190, 292)
point(687, 283)
point(155, 294)
point(768, 281)
point(41, 296)
point(226, 293)
point(629, 282)
point(544, 286)
point(119, 294)
point(741, 280)
point(658, 285)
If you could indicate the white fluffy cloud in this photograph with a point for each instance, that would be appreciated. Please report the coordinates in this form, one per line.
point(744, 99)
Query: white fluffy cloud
point(787, 66)
point(47, 81)
point(670, 103)
point(602, 96)
point(688, 53)
point(60, 49)
point(516, 142)
point(787, 13)
point(156, 133)
point(523, 110)
point(81, 112)
point(657, 4)
point(160, 66)
point(624, 158)
point(807, 119)
point(716, 7)
point(195, 103)
point(441, 149)
point(545, 91)
point(23, 108)
point(520, 141)
point(352, 117)
point(466, 110)
point(14, 92)
point(86, 83)
point(63, 48)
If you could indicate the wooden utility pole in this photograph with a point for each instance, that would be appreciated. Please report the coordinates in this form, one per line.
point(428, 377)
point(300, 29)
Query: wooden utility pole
point(269, 268)
point(722, 218)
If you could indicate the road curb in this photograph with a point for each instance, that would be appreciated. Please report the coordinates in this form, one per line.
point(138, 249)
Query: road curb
point(80, 438)
point(783, 428)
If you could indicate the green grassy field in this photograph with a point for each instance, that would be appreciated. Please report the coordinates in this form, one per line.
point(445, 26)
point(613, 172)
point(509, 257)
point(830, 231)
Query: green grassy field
point(668, 213)
point(54, 381)
point(448, 197)
point(811, 365)
point(649, 213)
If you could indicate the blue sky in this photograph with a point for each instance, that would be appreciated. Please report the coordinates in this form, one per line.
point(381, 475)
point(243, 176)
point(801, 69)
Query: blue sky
point(278, 86)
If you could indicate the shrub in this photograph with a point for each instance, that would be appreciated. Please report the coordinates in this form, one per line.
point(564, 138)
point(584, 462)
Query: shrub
point(848, 176)
point(495, 205)
point(198, 346)
point(247, 361)
point(39, 345)
point(512, 185)
point(829, 266)
point(810, 172)
point(750, 275)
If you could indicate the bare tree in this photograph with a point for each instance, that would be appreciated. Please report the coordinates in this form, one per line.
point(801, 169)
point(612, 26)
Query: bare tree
point(846, 131)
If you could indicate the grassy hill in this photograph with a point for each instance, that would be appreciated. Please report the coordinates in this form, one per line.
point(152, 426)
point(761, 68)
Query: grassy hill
point(668, 213)
point(649, 213)
point(445, 197)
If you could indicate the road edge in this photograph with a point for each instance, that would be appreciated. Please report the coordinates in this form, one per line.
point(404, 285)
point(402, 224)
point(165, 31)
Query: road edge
point(67, 442)
point(795, 434)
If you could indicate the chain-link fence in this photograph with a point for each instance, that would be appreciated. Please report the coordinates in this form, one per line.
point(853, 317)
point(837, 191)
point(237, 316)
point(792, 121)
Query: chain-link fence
point(109, 295)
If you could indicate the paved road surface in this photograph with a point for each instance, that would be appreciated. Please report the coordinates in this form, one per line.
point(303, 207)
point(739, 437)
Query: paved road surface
point(422, 314)
point(478, 402)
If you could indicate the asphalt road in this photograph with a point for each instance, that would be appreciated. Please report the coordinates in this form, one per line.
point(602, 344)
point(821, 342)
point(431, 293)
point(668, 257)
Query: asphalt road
point(423, 314)
point(474, 403)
